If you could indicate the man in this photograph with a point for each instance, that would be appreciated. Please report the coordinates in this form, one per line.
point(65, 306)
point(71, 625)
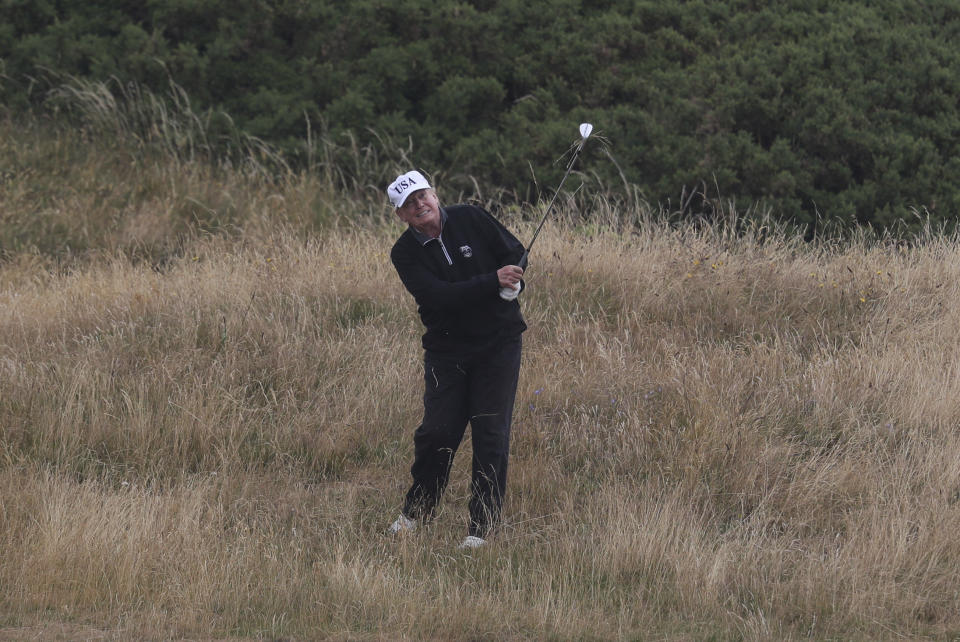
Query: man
point(459, 263)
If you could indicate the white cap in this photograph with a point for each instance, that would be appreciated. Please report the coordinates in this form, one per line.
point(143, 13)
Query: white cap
point(404, 186)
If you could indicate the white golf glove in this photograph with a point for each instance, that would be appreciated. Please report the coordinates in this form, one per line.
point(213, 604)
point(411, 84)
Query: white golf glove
point(509, 294)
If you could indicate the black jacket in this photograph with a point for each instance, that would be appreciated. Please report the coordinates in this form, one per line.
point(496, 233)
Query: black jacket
point(454, 279)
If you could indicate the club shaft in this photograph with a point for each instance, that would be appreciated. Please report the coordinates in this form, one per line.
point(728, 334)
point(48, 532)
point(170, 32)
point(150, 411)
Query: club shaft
point(526, 253)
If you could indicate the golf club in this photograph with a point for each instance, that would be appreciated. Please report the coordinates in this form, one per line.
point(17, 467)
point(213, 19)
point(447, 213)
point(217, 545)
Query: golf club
point(585, 130)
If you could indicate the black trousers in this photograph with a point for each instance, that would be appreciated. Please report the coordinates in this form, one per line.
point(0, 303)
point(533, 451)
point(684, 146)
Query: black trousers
point(478, 387)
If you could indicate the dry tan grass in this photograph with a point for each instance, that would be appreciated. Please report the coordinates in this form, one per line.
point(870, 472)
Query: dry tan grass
point(717, 435)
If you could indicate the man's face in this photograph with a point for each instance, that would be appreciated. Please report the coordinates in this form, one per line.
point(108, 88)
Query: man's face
point(421, 210)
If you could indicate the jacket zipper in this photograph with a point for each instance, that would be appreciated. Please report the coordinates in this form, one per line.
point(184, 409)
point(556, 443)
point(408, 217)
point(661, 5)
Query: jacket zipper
point(445, 253)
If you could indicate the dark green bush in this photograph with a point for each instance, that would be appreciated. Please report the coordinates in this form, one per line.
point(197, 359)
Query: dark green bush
point(839, 110)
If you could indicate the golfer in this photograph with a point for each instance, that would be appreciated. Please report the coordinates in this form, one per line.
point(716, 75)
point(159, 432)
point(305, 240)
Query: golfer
point(459, 263)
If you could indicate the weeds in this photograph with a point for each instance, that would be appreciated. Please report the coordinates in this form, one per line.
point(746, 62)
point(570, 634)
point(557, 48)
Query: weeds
point(205, 428)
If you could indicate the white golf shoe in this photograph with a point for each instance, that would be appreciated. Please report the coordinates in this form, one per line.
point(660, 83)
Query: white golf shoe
point(403, 524)
point(472, 541)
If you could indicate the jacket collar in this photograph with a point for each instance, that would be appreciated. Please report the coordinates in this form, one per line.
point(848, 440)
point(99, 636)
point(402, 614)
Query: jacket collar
point(423, 239)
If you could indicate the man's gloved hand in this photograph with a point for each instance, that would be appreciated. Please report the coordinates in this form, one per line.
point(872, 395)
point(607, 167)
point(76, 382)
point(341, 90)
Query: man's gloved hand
point(510, 293)
point(509, 277)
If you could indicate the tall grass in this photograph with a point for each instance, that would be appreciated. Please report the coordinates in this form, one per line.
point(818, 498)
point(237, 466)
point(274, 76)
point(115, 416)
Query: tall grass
point(721, 431)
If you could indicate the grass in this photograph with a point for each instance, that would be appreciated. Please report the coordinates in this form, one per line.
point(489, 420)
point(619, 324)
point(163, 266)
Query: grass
point(206, 415)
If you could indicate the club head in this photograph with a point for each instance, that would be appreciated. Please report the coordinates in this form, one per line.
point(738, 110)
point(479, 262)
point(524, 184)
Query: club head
point(585, 130)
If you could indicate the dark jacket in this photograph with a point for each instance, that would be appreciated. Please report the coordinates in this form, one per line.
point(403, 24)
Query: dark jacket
point(453, 279)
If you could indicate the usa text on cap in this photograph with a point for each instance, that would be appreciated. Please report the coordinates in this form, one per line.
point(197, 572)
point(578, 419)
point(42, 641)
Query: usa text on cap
point(404, 186)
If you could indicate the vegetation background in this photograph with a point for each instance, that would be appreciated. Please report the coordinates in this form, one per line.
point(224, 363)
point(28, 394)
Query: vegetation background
point(723, 431)
point(843, 110)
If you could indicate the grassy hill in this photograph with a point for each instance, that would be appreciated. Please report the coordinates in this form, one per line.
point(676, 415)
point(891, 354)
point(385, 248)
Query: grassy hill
point(209, 379)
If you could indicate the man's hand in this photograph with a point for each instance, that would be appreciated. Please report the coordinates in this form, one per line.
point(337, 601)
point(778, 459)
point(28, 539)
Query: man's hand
point(509, 275)
point(510, 293)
